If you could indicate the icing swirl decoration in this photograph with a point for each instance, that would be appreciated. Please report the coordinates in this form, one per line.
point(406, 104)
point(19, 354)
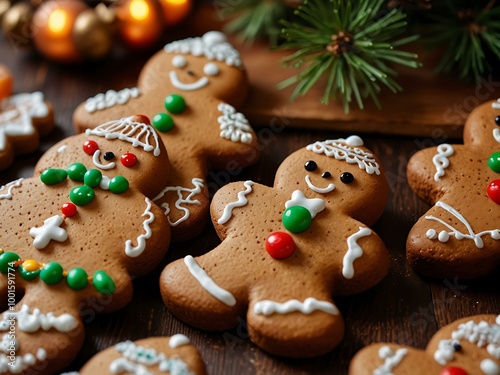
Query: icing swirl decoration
point(441, 160)
point(391, 360)
point(354, 251)
point(9, 187)
point(242, 201)
point(135, 251)
point(233, 125)
point(35, 321)
point(267, 307)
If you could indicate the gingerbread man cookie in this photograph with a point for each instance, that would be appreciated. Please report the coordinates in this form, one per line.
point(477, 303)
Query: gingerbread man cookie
point(190, 91)
point(23, 119)
point(469, 346)
point(153, 356)
point(460, 235)
point(287, 249)
point(72, 237)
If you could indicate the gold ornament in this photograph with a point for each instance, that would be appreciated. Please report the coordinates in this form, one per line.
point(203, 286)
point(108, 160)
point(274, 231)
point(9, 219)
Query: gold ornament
point(4, 7)
point(16, 25)
point(92, 37)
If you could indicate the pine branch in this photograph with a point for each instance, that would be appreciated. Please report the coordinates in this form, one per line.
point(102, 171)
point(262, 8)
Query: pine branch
point(350, 44)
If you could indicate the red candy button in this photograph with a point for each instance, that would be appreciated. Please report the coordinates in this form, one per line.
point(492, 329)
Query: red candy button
point(89, 147)
point(453, 371)
point(68, 209)
point(280, 245)
point(494, 191)
point(128, 159)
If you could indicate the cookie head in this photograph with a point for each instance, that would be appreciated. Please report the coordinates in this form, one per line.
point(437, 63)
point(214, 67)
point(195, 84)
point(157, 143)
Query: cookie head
point(207, 65)
point(342, 172)
point(483, 126)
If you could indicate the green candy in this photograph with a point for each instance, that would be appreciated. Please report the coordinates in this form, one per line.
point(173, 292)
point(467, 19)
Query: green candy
point(28, 275)
point(77, 278)
point(118, 185)
point(92, 177)
point(53, 176)
point(7, 258)
point(297, 219)
point(103, 283)
point(76, 171)
point(494, 162)
point(163, 122)
point(81, 195)
point(175, 103)
point(51, 273)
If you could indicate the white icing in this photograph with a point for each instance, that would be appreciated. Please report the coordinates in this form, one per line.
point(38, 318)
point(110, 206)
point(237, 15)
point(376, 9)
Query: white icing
point(314, 205)
point(329, 188)
point(267, 307)
point(207, 283)
point(179, 61)
point(441, 160)
point(489, 367)
point(10, 186)
point(340, 149)
point(496, 134)
point(96, 160)
point(62, 149)
point(36, 320)
point(496, 105)
point(49, 231)
point(352, 140)
point(110, 99)
point(242, 201)
point(445, 236)
point(483, 334)
point(135, 251)
point(8, 343)
point(136, 133)
point(104, 184)
point(198, 185)
point(178, 340)
point(213, 45)
point(391, 360)
point(135, 358)
point(20, 363)
point(211, 69)
point(233, 125)
point(178, 84)
point(354, 251)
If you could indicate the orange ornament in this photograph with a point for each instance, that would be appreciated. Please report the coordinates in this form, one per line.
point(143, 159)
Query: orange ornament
point(6, 82)
point(53, 35)
point(141, 22)
point(174, 11)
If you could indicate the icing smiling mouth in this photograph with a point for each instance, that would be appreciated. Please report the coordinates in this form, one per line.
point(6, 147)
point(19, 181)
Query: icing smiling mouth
point(313, 187)
point(202, 82)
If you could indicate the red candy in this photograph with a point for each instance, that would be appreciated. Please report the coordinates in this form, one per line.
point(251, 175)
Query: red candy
point(280, 245)
point(89, 147)
point(128, 159)
point(142, 118)
point(494, 191)
point(68, 209)
point(453, 371)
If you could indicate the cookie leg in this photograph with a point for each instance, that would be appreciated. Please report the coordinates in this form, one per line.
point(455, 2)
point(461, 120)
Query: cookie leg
point(296, 327)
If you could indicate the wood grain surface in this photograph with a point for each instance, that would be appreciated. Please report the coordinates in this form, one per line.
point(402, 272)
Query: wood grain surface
point(403, 308)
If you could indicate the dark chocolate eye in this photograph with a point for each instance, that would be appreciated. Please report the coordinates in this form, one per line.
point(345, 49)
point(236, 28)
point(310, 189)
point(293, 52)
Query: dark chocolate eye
point(310, 165)
point(497, 120)
point(326, 175)
point(108, 156)
point(346, 177)
point(456, 346)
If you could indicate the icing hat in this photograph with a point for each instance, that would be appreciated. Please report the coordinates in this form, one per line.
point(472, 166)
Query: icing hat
point(213, 45)
point(129, 129)
point(347, 149)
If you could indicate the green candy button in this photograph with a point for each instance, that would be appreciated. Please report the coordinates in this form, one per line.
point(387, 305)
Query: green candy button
point(297, 219)
point(7, 258)
point(76, 171)
point(53, 176)
point(103, 283)
point(175, 103)
point(92, 177)
point(51, 273)
point(77, 278)
point(118, 185)
point(163, 122)
point(494, 162)
point(28, 275)
point(81, 195)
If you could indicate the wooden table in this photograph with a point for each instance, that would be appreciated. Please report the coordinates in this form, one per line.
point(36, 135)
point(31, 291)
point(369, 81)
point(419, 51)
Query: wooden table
point(404, 308)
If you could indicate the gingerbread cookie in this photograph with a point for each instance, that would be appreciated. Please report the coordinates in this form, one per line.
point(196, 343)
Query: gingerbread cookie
point(74, 235)
point(23, 119)
point(287, 249)
point(157, 355)
point(469, 346)
point(460, 235)
point(190, 91)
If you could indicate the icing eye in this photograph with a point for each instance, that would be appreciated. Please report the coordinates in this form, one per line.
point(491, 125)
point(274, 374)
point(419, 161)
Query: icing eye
point(310, 165)
point(497, 120)
point(108, 156)
point(128, 159)
point(89, 147)
point(211, 69)
point(346, 177)
point(326, 175)
point(179, 61)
